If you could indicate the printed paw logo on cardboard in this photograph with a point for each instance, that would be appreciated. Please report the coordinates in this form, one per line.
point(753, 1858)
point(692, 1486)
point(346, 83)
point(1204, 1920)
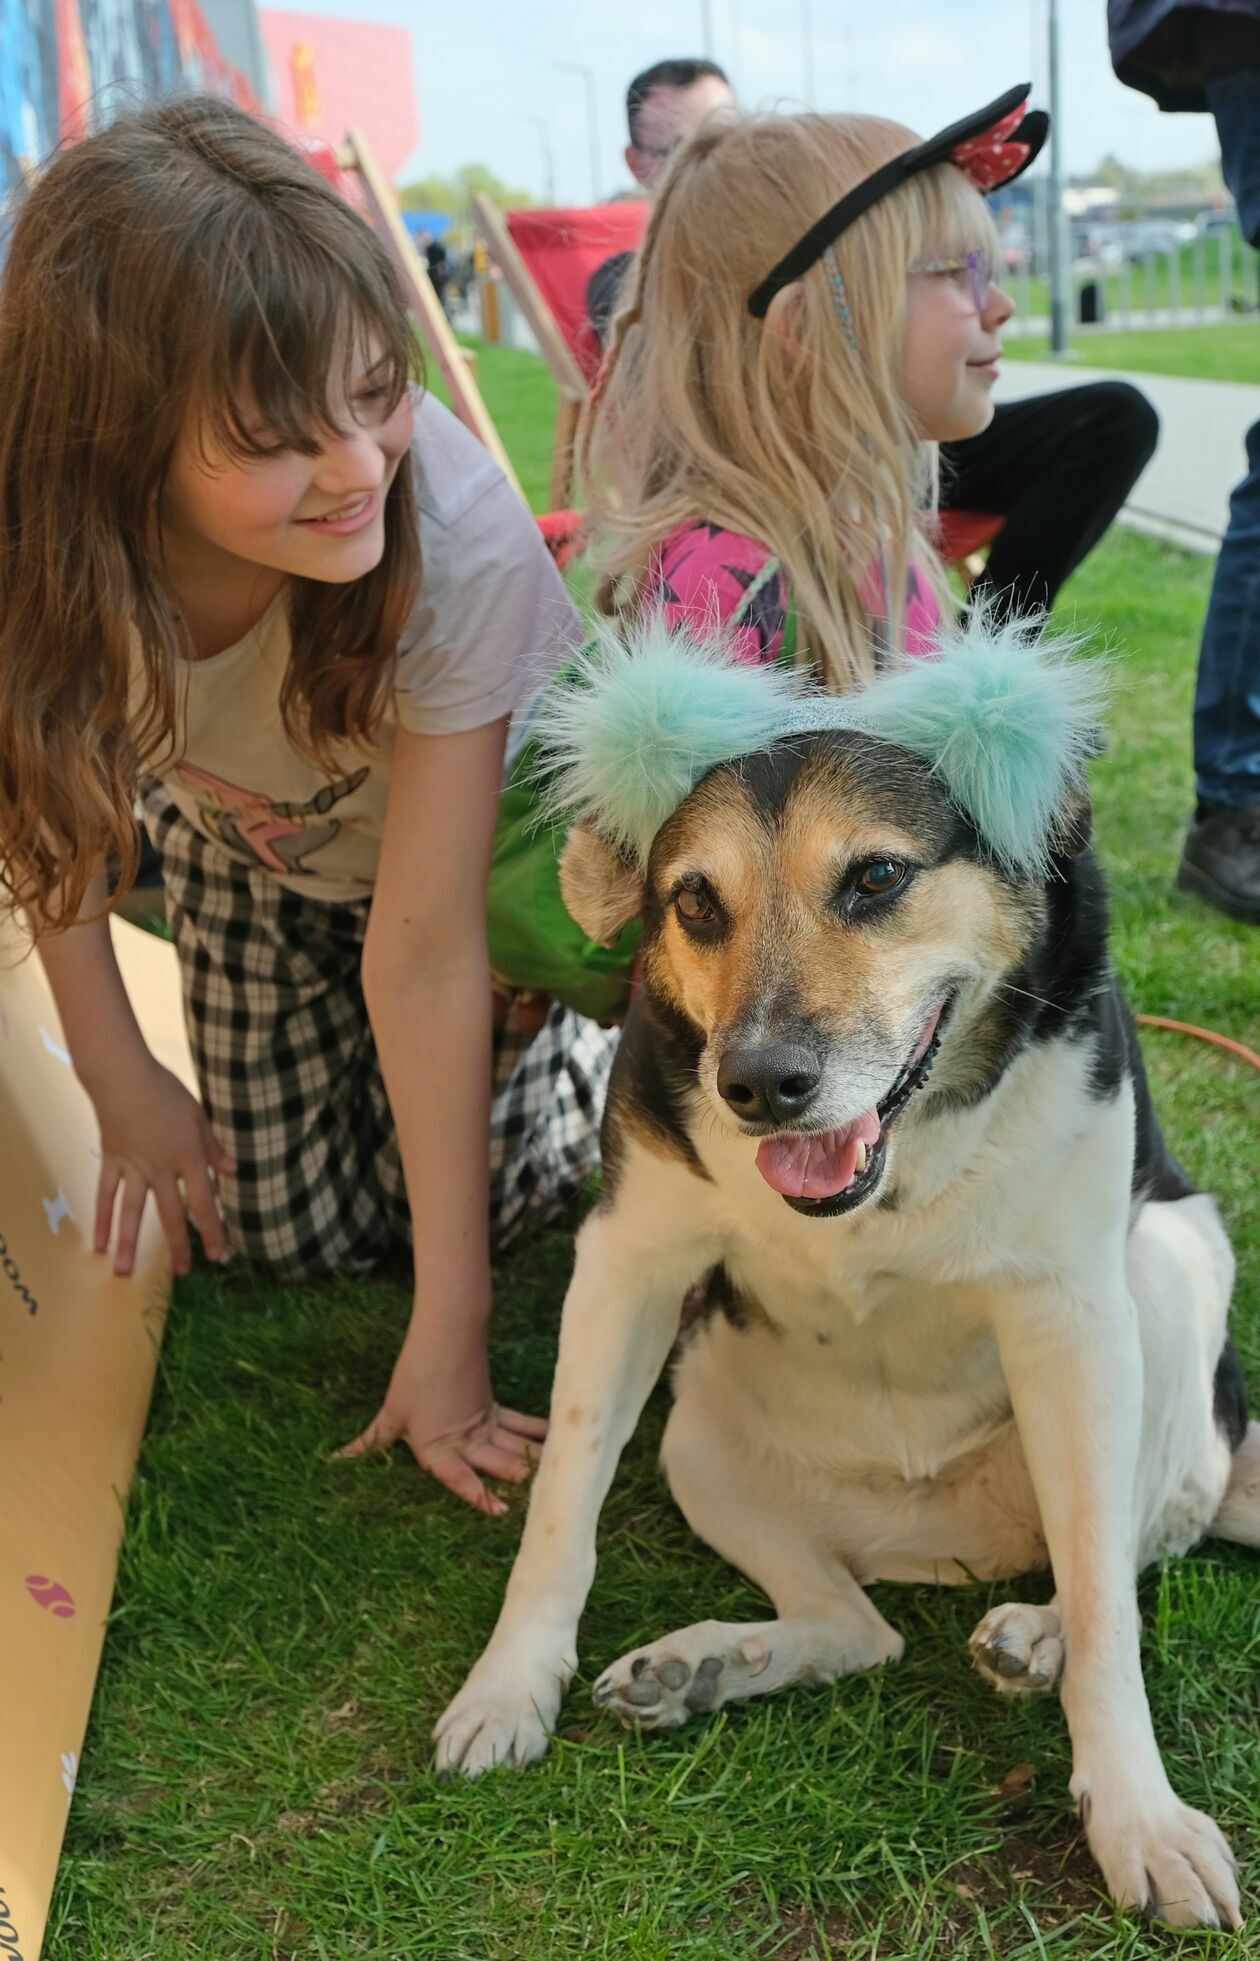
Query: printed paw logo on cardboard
point(51, 1594)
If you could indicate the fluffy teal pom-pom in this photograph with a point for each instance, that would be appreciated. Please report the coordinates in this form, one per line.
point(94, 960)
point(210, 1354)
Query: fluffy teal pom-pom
point(1007, 720)
point(641, 721)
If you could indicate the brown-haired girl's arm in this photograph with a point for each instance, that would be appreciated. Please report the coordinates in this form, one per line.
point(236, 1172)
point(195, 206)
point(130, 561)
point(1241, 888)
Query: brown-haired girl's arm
point(154, 1133)
point(426, 980)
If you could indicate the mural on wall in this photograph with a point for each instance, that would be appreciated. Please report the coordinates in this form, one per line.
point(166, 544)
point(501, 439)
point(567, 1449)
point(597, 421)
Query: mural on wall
point(62, 62)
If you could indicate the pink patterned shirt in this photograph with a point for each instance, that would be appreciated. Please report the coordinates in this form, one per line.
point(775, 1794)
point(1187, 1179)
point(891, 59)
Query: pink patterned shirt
point(702, 575)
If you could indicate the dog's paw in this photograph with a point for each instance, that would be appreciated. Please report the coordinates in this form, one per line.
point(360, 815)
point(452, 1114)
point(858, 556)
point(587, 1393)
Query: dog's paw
point(701, 1668)
point(504, 1714)
point(1161, 1858)
point(685, 1674)
point(1019, 1649)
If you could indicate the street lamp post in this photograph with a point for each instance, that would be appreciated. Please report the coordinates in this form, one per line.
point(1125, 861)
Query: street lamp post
point(1059, 269)
point(807, 51)
point(549, 163)
point(592, 119)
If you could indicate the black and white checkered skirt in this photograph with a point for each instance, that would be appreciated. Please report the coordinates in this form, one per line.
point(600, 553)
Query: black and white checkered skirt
point(290, 1081)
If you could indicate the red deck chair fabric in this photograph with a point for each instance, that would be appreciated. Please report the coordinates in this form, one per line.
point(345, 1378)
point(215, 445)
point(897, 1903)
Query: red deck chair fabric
point(562, 250)
point(562, 534)
point(959, 534)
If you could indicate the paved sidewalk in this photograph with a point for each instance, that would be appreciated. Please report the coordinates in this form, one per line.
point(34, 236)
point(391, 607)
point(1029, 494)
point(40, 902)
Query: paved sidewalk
point(1183, 494)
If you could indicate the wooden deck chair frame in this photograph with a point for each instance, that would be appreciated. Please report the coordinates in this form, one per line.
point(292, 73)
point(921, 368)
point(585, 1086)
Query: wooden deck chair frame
point(451, 359)
point(568, 377)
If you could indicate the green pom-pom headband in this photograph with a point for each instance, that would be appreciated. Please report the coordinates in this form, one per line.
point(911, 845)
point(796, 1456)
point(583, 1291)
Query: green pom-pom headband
point(1005, 719)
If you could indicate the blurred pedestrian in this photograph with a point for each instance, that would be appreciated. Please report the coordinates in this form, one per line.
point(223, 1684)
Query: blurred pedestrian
point(1207, 57)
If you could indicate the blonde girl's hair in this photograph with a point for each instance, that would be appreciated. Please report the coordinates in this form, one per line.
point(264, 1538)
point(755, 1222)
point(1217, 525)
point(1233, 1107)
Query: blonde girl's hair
point(184, 261)
point(790, 430)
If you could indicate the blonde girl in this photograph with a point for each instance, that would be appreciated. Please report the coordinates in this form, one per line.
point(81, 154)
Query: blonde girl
point(252, 575)
point(814, 308)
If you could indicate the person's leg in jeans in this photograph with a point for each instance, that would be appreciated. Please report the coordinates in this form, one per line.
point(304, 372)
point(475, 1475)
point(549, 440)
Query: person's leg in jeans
point(1221, 857)
point(1056, 468)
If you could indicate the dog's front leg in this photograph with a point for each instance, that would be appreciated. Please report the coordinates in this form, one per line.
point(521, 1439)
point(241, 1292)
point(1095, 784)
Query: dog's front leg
point(620, 1317)
point(1073, 1363)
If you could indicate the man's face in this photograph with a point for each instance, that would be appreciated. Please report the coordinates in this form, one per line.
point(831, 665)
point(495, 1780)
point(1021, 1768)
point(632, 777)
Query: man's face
point(667, 119)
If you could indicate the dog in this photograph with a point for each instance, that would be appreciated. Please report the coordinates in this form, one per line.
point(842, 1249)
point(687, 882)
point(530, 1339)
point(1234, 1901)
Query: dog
point(964, 1315)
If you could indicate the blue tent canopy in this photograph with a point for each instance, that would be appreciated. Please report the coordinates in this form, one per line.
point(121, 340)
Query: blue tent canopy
point(436, 223)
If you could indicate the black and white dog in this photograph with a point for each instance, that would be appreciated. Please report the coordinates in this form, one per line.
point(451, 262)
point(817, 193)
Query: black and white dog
point(967, 1314)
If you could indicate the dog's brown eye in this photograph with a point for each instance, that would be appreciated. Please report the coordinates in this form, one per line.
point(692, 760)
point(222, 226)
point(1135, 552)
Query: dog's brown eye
point(880, 876)
point(694, 905)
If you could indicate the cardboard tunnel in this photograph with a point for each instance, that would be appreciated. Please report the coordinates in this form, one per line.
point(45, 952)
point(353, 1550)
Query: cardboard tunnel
point(78, 1350)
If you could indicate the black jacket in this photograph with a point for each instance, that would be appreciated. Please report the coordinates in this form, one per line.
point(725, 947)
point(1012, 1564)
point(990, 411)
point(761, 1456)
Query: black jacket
point(1171, 48)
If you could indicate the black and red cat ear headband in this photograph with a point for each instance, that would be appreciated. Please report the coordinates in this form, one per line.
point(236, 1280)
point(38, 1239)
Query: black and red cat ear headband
point(984, 146)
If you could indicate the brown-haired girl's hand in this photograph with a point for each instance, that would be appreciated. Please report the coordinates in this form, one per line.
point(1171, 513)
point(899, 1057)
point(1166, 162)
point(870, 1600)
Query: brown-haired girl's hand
point(444, 1410)
point(155, 1137)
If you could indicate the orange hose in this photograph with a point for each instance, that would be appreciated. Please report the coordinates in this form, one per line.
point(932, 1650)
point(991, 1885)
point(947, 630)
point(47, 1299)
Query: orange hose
point(1204, 1035)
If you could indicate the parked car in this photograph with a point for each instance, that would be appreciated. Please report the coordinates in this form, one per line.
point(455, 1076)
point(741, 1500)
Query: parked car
point(1102, 245)
point(1153, 235)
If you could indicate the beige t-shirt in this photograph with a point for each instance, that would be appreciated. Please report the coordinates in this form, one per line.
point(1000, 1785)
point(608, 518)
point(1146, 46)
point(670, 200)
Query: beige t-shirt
point(491, 622)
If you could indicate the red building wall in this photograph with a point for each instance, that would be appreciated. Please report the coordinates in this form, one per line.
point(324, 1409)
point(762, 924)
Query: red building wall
point(329, 76)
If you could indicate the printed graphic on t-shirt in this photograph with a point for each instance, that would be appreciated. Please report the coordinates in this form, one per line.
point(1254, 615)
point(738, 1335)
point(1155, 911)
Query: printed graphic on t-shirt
point(278, 836)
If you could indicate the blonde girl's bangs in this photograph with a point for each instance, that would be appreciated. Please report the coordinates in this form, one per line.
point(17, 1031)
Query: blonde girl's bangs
point(946, 216)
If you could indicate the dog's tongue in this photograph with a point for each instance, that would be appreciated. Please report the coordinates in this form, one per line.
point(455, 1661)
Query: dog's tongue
point(817, 1166)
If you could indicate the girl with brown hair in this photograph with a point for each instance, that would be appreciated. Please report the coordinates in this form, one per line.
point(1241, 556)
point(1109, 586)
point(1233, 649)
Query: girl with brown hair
point(253, 576)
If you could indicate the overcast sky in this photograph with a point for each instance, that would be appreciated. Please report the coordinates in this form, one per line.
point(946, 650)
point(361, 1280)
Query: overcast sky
point(484, 67)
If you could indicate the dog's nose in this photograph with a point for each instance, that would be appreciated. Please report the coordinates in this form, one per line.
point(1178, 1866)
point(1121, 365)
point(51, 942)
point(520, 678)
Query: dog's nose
point(768, 1085)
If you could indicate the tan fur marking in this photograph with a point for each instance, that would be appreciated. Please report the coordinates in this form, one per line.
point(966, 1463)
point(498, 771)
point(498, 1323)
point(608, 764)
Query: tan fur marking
point(785, 940)
point(719, 834)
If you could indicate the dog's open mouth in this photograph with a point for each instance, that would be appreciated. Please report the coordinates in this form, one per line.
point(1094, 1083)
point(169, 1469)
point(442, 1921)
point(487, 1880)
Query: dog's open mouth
point(828, 1171)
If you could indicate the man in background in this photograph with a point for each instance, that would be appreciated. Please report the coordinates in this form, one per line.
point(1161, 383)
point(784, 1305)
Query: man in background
point(663, 105)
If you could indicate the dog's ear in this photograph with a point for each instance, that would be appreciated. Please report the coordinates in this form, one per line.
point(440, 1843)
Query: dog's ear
point(602, 890)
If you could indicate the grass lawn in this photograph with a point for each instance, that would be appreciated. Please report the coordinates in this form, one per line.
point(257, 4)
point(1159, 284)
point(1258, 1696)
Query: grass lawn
point(256, 1777)
point(521, 397)
point(1228, 352)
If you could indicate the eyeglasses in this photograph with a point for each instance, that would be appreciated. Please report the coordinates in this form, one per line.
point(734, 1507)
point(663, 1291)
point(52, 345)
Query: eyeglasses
point(978, 266)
